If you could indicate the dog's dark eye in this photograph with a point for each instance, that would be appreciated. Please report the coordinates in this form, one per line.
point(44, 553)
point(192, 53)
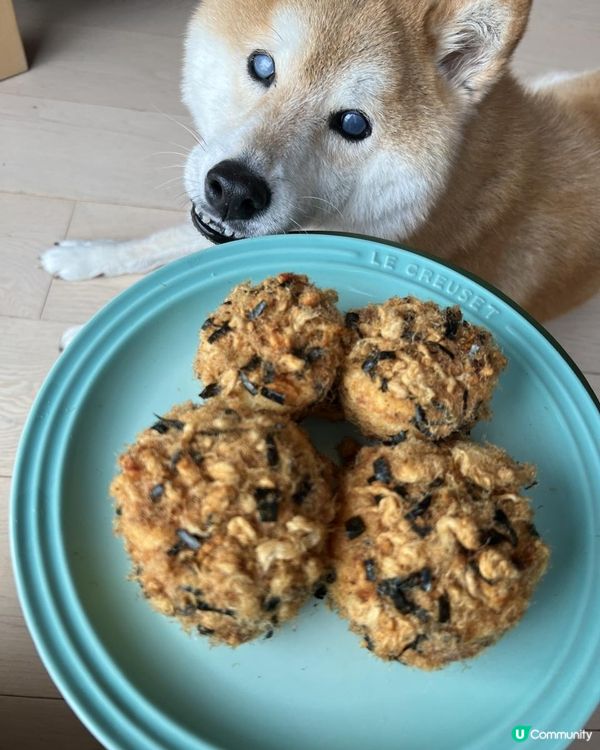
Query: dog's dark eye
point(351, 124)
point(261, 67)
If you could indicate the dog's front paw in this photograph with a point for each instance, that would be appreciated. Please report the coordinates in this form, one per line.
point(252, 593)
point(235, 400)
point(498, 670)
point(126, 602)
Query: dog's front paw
point(75, 260)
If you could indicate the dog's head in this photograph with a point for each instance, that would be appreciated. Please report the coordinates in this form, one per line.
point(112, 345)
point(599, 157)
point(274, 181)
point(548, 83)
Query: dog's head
point(334, 113)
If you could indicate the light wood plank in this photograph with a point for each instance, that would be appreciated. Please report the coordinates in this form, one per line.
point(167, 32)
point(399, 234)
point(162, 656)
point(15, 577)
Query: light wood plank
point(21, 671)
point(88, 152)
point(594, 381)
point(97, 221)
point(27, 223)
point(562, 35)
point(76, 302)
point(164, 19)
point(42, 724)
point(107, 67)
point(27, 349)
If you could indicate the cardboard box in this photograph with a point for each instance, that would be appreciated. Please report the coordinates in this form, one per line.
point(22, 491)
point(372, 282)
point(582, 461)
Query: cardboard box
point(12, 56)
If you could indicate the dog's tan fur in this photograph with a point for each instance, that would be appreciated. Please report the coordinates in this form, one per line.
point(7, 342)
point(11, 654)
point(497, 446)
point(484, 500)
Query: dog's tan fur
point(462, 161)
point(520, 204)
point(522, 207)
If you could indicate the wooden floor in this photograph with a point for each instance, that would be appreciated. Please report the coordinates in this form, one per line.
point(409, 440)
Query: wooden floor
point(83, 137)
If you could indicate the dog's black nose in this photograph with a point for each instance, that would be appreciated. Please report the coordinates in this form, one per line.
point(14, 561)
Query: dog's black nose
point(235, 192)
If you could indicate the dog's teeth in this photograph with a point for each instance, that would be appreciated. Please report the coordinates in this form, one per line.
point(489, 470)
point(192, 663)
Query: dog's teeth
point(228, 232)
point(206, 219)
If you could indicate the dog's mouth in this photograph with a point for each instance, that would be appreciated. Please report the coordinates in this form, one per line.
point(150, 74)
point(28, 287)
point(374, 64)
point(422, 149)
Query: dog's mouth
point(212, 229)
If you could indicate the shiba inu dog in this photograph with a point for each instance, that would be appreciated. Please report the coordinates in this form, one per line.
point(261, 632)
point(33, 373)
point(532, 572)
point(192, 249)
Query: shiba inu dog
point(392, 118)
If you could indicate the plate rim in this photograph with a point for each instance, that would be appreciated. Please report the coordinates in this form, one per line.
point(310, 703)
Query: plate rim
point(37, 631)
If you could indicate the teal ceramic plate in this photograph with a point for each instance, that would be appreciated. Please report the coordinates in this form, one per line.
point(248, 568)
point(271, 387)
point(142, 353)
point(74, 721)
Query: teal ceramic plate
point(139, 683)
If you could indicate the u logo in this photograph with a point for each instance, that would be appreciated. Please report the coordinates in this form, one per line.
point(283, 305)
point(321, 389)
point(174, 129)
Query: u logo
point(520, 733)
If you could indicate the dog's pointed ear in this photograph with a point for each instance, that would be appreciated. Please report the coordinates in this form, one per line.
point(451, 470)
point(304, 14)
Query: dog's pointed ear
point(474, 39)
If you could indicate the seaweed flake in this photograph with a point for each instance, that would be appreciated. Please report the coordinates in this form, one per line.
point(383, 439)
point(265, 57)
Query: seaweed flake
point(268, 372)
point(189, 540)
point(252, 363)
point(370, 569)
point(492, 537)
point(203, 606)
point(426, 579)
point(418, 509)
point(287, 279)
point(164, 424)
point(206, 607)
point(320, 591)
point(453, 320)
point(207, 324)
point(465, 400)
point(257, 311)
point(389, 588)
point(219, 333)
point(267, 503)
point(271, 603)
point(421, 531)
point(157, 492)
point(279, 398)
point(369, 643)
point(211, 390)
point(381, 470)
point(421, 423)
point(330, 576)
point(355, 526)
point(440, 347)
point(176, 458)
point(444, 608)
point(384, 385)
point(351, 320)
point(187, 611)
point(370, 363)
point(419, 579)
point(176, 548)
point(302, 491)
point(313, 354)
point(533, 531)
point(204, 631)
point(399, 437)
point(191, 590)
point(272, 452)
point(247, 383)
point(269, 634)
point(414, 645)
point(501, 518)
